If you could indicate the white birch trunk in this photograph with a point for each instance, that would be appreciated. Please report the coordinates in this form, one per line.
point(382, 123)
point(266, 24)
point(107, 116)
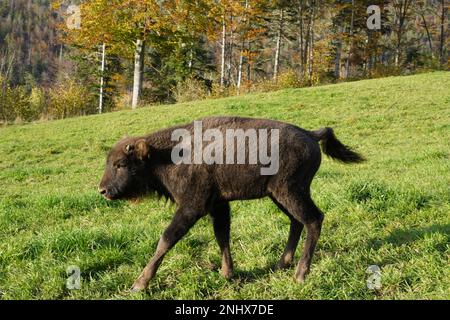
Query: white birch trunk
point(241, 56)
point(138, 73)
point(224, 43)
point(102, 69)
point(230, 53)
point(278, 47)
point(241, 61)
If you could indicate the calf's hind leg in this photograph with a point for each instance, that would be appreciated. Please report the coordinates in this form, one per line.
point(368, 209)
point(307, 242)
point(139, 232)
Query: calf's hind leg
point(220, 214)
point(303, 209)
point(295, 232)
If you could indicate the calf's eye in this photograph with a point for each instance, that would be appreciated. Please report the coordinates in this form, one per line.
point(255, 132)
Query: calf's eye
point(120, 165)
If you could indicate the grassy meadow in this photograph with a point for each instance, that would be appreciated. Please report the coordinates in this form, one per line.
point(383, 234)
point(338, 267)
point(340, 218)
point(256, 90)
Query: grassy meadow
point(392, 211)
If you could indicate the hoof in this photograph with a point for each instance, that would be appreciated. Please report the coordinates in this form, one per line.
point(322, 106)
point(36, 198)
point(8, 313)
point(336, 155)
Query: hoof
point(227, 274)
point(285, 262)
point(138, 287)
point(299, 279)
point(281, 266)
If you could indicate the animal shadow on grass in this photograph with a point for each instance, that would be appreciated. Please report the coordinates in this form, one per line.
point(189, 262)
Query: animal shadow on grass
point(247, 276)
point(242, 276)
point(198, 247)
point(401, 237)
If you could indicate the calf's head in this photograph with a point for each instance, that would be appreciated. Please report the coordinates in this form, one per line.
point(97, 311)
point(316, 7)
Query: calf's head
point(125, 166)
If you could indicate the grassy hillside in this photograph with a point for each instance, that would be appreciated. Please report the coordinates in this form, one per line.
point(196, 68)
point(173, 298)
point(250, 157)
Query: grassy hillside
point(392, 211)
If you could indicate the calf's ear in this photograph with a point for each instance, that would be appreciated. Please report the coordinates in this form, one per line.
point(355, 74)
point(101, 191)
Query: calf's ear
point(129, 148)
point(142, 149)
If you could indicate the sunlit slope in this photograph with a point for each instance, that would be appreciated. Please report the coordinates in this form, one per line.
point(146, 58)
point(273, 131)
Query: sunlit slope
point(392, 211)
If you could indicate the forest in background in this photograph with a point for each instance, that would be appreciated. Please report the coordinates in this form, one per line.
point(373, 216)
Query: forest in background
point(157, 52)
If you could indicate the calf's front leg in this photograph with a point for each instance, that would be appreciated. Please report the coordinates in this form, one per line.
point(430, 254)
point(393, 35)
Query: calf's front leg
point(183, 220)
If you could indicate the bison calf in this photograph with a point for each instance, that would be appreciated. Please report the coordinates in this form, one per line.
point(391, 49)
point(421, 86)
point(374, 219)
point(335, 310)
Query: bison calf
point(138, 166)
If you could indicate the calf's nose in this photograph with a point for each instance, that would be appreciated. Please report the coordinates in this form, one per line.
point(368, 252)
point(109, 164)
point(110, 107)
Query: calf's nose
point(102, 190)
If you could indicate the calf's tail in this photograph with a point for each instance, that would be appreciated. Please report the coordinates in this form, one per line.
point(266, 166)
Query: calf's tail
point(335, 149)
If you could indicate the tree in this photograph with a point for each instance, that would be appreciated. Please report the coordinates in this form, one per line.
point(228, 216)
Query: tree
point(442, 40)
point(278, 42)
point(245, 19)
point(27, 34)
point(125, 26)
point(138, 72)
point(158, 48)
point(350, 47)
point(422, 10)
point(402, 11)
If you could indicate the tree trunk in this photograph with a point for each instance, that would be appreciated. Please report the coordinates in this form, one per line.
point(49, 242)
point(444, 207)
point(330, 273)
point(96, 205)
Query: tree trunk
point(428, 34)
point(102, 69)
point(191, 59)
point(402, 14)
point(371, 50)
point(230, 53)
point(337, 60)
point(13, 13)
point(301, 39)
point(442, 37)
point(138, 72)
point(278, 48)
point(397, 48)
point(311, 45)
point(347, 62)
point(60, 57)
point(28, 37)
point(306, 42)
point(249, 68)
point(222, 64)
point(241, 54)
point(241, 61)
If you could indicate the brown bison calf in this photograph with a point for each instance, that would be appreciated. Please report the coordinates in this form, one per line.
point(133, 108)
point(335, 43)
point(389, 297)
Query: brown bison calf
point(137, 166)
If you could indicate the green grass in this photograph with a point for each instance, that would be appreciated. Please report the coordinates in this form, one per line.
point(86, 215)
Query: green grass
point(392, 211)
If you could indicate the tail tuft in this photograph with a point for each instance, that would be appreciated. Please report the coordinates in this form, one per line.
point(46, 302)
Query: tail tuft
point(335, 149)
